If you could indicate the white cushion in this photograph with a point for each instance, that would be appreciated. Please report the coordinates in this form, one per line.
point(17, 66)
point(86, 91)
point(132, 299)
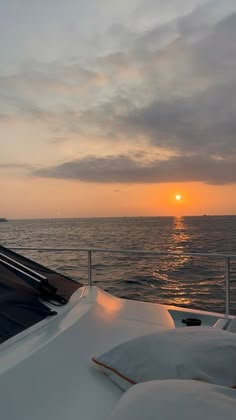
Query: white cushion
point(176, 400)
point(201, 353)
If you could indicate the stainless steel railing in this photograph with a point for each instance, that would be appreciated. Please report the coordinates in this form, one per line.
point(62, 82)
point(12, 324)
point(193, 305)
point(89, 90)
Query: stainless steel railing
point(226, 257)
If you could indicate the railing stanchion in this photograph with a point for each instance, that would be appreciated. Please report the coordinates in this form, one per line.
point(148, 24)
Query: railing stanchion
point(227, 286)
point(89, 268)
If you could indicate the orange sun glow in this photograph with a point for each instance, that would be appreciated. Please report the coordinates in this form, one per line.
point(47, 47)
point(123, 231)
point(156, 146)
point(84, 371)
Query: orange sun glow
point(178, 197)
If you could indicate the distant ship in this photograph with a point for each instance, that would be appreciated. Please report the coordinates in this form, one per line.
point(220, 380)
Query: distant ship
point(3, 219)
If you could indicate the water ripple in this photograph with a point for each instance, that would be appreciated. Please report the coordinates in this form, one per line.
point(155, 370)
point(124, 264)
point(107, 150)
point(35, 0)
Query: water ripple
point(198, 282)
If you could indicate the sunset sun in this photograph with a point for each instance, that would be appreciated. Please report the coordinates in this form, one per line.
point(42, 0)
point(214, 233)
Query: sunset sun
point(178, 197)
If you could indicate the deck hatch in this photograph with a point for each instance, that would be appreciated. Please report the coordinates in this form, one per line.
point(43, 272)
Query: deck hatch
point(23, 285)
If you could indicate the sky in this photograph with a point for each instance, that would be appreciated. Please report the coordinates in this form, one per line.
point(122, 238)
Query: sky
point(112, 108)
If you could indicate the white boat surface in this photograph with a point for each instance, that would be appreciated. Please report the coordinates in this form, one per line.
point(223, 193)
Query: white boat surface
point(46, 370)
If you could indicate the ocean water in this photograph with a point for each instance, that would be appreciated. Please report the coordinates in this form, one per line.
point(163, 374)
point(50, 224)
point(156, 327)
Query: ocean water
point(196, 282)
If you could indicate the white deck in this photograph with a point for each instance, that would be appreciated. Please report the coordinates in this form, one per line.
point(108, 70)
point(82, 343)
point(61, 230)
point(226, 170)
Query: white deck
point(46, 372)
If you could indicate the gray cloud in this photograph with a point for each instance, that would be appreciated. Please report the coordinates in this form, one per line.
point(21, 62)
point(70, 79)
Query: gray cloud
point(192, 22)
point(205, 120)
point(203, 123)
point(186, 101)
point(15, 166)
point(124, 169)
point(43, 86)
point(171, 85)
point(12, 168)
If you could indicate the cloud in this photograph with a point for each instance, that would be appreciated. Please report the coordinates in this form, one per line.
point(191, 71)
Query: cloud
point(190, 20)
point(9, 169)
point(205, 119)
point(128, 71)
point(169, 84)
point(124, 169)
point(186, 97)
point(203, 123)
point(13, 165)
point(43, 86)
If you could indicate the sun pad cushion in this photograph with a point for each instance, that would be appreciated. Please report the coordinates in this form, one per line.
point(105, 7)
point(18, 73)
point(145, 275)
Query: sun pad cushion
point(201, 353)
point(176, 399)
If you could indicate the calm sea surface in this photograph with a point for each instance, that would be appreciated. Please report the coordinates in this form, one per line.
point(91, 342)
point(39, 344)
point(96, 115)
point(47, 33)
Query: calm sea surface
point(186, 281)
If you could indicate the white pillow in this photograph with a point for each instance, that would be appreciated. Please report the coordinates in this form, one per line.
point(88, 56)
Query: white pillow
point(201, 353)
point(176, 399)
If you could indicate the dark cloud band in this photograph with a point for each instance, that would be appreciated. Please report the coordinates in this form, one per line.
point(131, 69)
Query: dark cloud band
point(123, 169)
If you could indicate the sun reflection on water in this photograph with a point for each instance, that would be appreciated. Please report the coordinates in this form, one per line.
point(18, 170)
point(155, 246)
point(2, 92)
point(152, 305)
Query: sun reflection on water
point(178, 239)
point(168, 271)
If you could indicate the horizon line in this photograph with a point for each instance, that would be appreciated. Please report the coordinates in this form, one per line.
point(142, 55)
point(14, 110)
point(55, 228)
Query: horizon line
point(121, 217)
